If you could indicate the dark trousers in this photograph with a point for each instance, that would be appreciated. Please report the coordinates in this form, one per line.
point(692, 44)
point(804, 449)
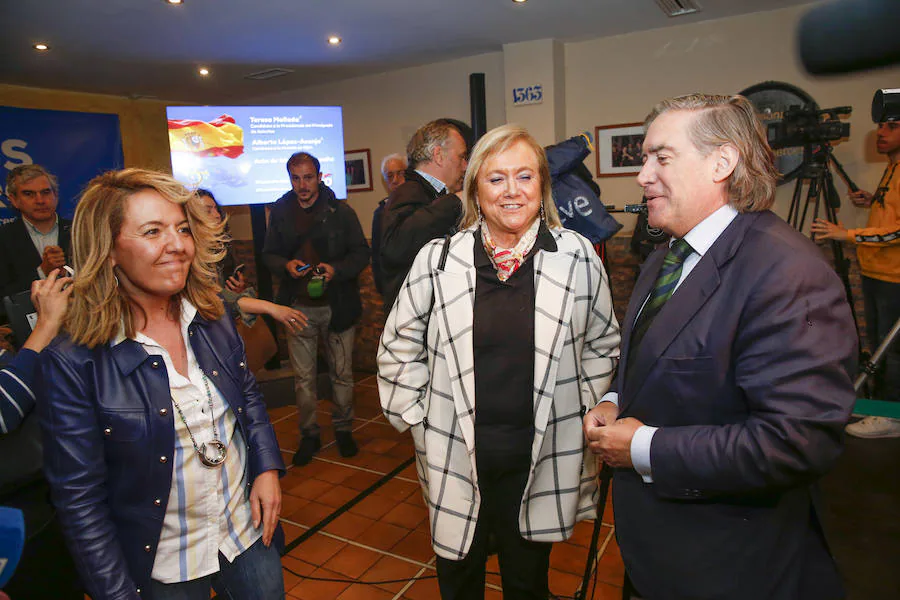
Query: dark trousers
point(523, 564)
point(46, 570)
point(882, 302)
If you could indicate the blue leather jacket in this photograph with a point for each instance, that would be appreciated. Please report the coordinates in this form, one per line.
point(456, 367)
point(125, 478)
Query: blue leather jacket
point(109, 437)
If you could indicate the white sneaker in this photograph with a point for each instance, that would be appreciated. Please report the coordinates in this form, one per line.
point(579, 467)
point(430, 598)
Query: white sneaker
point(875, 427)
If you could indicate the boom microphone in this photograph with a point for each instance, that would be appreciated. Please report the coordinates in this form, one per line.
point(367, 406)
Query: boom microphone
point(12, 540)
point(849, 35)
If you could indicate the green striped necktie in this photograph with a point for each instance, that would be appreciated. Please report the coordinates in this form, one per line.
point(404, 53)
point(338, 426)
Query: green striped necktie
point(668, 277)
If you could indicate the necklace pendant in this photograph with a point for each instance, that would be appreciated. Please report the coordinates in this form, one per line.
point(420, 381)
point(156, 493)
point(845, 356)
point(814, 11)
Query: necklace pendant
point(212, 453)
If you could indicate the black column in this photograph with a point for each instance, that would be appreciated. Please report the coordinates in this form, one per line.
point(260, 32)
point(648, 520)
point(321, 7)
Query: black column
point(263, 277)
point(478, 104)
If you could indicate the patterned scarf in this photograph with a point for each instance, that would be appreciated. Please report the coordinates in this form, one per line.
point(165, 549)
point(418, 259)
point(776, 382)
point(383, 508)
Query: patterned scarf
point(508, 260)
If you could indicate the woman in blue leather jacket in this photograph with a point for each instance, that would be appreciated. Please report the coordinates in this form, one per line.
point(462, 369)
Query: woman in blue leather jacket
point(160, 456)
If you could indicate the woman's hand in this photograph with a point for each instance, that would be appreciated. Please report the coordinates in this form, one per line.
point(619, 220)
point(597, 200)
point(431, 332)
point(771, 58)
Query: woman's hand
point(265, 503)
point(51, 300)
point(50, 297)
point(293, 320)
point(236, 283)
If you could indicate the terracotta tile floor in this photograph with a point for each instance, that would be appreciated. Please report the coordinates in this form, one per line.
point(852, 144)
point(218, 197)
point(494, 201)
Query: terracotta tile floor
point(384, 537)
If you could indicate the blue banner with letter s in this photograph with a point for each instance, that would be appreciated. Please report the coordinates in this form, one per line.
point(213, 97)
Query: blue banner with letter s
point(73, 146)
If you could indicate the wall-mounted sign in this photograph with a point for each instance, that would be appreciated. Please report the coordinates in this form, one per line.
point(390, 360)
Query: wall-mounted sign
point(532, 94)
point(74, 146)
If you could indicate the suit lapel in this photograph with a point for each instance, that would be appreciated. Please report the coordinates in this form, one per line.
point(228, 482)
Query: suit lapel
point(687, 300)
point(639, 294)
point(64, 238)
point(454, 290)
point(27, 246)
point(553, 303)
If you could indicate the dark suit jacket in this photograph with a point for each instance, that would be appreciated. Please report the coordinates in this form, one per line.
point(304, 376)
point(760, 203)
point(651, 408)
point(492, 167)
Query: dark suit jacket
point(19, 259)
point(414, 216)
point(747, 370)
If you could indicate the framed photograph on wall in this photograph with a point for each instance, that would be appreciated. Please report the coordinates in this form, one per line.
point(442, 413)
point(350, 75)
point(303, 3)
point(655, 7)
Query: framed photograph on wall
point(618, 149)
point(358, 169)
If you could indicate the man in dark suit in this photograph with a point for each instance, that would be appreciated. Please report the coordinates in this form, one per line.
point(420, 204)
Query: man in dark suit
point(38, 241)
point(735, 381)
point(393, 173)
point(426, 206)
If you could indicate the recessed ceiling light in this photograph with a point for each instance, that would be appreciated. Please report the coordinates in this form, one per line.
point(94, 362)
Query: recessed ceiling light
point(203, 71)
point(334, 40)
point(174, 1)
point(41, 47)
point(520, 1)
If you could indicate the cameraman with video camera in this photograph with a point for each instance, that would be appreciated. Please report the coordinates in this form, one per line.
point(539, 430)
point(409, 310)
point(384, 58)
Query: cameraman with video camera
point(878, 251)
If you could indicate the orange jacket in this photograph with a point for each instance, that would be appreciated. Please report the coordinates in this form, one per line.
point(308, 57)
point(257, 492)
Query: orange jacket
point(878, 244)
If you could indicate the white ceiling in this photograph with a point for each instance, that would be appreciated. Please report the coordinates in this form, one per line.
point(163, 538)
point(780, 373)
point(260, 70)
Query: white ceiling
point(149, 48)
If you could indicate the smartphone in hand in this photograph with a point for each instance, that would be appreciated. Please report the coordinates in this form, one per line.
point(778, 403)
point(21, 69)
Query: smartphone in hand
point(238, 270)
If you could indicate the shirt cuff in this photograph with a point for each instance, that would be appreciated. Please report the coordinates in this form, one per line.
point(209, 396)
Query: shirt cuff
point(640, 451)
point(610, 397)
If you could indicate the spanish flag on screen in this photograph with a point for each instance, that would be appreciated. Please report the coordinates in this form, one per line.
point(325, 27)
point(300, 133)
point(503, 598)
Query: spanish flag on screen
point(219, 137)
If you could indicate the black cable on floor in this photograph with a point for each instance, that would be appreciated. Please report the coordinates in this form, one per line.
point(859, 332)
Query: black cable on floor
point(361, 582)
point(579, 594)
point(340, 511)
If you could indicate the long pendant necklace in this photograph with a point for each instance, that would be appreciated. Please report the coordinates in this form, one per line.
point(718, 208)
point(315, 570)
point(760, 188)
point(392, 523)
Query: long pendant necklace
point(212, 453)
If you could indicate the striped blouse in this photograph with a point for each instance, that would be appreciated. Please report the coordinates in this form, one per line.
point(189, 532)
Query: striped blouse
point(16, 397)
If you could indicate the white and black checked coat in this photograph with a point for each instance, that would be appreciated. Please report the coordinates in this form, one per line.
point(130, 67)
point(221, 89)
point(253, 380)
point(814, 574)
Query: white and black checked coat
point(426, 382)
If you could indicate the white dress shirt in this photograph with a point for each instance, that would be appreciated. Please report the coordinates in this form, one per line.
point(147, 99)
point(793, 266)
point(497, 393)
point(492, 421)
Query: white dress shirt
point(439, 186)
point(701, 238)
point(41, 240)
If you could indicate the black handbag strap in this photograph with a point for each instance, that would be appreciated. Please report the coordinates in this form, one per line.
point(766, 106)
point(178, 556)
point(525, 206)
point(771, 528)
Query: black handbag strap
point(445, 250)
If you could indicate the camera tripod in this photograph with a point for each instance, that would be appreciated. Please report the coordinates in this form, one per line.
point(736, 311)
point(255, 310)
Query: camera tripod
point(868, 368)
point(815, 173)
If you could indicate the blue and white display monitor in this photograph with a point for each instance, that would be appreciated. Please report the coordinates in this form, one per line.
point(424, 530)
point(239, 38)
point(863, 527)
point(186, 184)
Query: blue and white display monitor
point(240, 152)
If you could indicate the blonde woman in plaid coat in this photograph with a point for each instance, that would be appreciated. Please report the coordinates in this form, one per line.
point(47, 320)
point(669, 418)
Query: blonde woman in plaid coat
point(501, 338)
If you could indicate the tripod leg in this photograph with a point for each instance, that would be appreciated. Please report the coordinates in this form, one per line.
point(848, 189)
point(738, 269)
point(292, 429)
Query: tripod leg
point(841, 263)
point(811, 196)
point(869, 367)
point(794, 210)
